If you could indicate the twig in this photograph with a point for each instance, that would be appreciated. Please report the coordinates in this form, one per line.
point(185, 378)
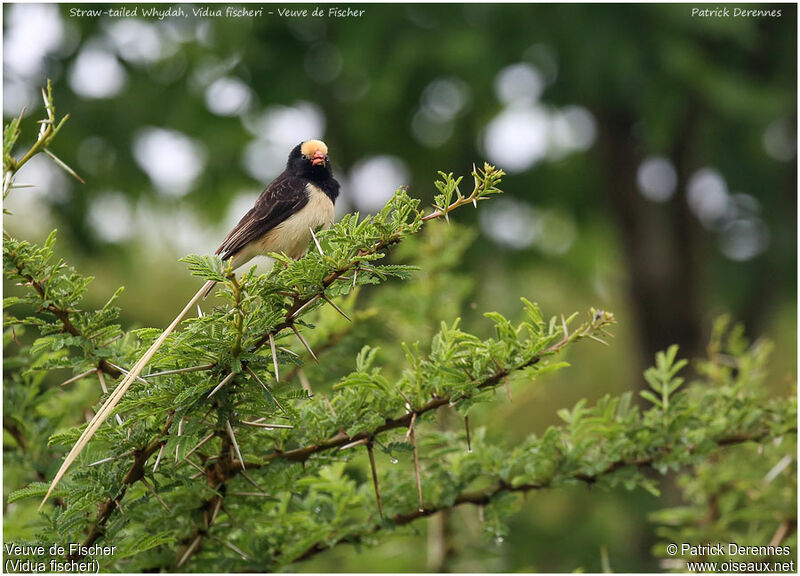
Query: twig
point(258, 494)
point(274, 357)
point(466, 426)
point(301, 374)
point(300, 305)
point(265, 387)
point(217, 508)
point(110, 458)
point(340, 439)
point(308, 303)
point(235, 443)
point(64, 166)
point(180, 432)
point(202, 442)
point(200, 470)
point(78, 377)
point(314, 236)
point(303, 340)
point(135, 473)
point(411, 426)
point(126, 372)
point(335, 306)
point(330, 406)
point(375, 478)
point(220, 385)
point(484, 497)
point(268, 426)
point(111, 402)
point(416, 469)
point(153, 491)
point(47, 132)
point(158, 458)
point(105, 391)
point(354, 444)
point(232, 547)
point(251, 481)
point(780, 533)
point(189, 550)
point(181, 370)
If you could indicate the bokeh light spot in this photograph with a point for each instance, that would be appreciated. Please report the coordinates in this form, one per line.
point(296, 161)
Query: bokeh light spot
point(430, 130)
point(519, 83)
point(657, 178)
point(96, 73)
point(445, 98)
point(572, 129)
point(227, 96)
point(172, 160)
point(509, 222)
point(517, 138)
point(135, 40)
point(742, 240)
point(707, 194)
point(110, 216)
point(373, 181)
point(278, 129)
point(33, 31)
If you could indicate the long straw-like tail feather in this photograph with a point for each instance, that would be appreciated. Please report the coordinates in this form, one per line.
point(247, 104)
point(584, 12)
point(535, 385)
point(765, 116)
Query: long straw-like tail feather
point(210, 286)
point(107, 408)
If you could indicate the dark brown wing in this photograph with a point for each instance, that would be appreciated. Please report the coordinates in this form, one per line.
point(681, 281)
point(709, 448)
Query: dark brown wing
point(282, 198)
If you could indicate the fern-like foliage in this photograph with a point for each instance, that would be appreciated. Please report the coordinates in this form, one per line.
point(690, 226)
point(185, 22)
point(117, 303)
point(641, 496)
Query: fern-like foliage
point(236, 451)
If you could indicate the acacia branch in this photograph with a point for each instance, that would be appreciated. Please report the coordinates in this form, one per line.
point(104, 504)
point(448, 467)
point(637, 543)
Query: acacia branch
point(218, 473)
point(341, 439)
point(222, 470)
point(61, 314)
point(49, 129)
point(487, 495)
point(134, 474)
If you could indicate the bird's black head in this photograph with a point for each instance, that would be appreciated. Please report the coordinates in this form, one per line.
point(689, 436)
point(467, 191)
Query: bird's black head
point(310, 160)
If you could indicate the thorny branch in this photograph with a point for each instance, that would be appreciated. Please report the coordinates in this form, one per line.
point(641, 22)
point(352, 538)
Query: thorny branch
point(134, 474)
point(220, 471)
point(341, 439)
point(48, 130)
point(485, 496)
point(63, 316)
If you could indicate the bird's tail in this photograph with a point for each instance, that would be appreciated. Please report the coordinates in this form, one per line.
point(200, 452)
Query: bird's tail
point(112, 401)
point(210, 284)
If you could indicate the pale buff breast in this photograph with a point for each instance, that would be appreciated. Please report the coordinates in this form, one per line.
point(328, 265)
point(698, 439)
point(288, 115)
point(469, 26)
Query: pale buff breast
point(292, 236)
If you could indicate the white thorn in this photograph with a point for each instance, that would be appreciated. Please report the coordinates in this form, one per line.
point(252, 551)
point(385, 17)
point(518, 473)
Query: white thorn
point(314, 236)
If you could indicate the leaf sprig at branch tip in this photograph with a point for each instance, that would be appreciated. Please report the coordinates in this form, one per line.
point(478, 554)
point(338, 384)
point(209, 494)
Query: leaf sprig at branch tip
point(49, 128)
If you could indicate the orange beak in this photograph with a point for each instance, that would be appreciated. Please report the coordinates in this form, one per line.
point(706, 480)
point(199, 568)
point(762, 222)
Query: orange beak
point(318, 158)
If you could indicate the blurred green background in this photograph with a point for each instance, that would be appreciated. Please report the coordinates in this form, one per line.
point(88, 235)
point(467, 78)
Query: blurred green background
point(651, 158)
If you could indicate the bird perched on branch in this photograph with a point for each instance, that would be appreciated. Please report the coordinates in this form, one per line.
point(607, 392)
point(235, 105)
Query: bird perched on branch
point(283, 219)
point(297, 201)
